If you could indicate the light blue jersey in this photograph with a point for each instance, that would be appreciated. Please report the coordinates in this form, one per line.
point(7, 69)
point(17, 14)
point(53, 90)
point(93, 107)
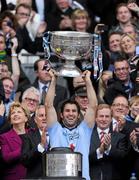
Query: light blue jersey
point(79, 137)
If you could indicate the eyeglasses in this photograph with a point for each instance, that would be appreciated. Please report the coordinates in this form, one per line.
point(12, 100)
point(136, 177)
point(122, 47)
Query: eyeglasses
point(23, 14)
point(31, 100)
point(121, 69)
point(120, 105)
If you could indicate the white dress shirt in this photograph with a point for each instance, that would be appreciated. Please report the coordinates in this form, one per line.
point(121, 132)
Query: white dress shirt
point(41, 149)
point(99, 154)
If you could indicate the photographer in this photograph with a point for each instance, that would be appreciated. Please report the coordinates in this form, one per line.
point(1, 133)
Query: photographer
point(8, 26)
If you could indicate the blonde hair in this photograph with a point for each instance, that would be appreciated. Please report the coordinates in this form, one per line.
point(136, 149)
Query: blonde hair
point(80, 13)
point(134, 99)
point(128, 35)
point(18, 105)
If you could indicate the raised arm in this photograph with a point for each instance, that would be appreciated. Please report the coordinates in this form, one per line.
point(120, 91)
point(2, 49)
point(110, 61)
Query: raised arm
point(50, 110)
point(91, 110)
point(15, 64)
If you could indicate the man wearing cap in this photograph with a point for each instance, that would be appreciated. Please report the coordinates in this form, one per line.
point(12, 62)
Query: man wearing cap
point(71, 133)
point(81, 98)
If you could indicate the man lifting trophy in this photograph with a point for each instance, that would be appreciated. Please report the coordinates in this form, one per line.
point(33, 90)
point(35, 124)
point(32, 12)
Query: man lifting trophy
point(69, 46)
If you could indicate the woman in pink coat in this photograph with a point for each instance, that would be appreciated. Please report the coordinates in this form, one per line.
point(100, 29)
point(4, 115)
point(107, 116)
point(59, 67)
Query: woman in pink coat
point(11, 144)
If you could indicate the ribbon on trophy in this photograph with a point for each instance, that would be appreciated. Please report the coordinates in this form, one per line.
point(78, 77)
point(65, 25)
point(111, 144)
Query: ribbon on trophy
point(46, 46)
point(46, 43)
point(97, 56)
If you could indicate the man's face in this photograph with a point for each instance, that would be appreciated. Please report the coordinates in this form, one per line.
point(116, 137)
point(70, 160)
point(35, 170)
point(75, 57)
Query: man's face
point(4, 71)
point(22, 15)
point(43, 75)
point(82, 101)
point(62, 4)
point(123, 14)
point(103, 118)
point(122, 70)
point(70, 115)
point(114, 43)
point(8, 88)
point(31, 101)
point(40, 118)
point(119, 107)
point(130, 30)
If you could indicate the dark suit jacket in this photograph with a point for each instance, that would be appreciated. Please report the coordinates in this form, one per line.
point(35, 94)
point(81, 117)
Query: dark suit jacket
point(26, 43)
point(61, 93)
point(116, 88)
point(11, 144)
point(132, 160)
point(31, 158)
point(55, 17)
point(109, 165)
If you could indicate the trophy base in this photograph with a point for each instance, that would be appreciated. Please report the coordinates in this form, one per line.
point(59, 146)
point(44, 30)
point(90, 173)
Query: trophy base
point(67, 72)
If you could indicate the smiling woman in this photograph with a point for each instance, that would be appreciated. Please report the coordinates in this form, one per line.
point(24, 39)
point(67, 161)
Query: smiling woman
point(80, 20)
point(11, 143)
point(129, 48)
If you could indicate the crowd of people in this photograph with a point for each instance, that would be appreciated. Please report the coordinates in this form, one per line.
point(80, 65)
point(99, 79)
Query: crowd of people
point(96, 114)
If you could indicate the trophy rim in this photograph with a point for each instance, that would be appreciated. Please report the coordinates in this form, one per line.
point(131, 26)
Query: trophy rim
point(71, 33)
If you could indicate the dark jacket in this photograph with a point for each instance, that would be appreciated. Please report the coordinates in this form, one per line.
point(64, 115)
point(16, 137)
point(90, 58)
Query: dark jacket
point(107, 167)
point(31, 158)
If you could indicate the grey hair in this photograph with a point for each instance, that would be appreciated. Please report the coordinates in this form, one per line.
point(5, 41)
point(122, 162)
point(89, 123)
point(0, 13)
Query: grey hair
point(33, 90)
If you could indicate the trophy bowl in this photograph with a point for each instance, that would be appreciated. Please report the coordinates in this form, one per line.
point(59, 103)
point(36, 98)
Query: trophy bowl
point(70, 46)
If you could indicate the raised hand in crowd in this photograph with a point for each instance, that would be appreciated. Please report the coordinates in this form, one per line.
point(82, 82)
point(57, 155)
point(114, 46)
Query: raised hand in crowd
point(2, 109)
point(106, 143)
point(134, 136)
point(14, 42)
point(133, 7)
point(43, 137)
point(121, 122)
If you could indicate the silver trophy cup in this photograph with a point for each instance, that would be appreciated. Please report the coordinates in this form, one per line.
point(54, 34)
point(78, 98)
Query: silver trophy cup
point(70, 46)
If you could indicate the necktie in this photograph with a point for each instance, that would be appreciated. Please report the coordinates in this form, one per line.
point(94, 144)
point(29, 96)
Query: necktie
point(47, 141)
point(43, 94)
point(102, 133)
point(115, 126)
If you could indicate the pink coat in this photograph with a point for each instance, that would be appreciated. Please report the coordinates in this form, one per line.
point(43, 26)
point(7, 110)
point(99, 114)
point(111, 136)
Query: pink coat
point(11, 144)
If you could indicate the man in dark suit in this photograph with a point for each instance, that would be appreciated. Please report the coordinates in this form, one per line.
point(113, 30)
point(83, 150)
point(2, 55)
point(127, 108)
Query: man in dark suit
point(31, 99)
point(120, 118)
point(34, 144)
point(107, 148)
point(22, 13)
point(43, 81)
point(121, 83)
